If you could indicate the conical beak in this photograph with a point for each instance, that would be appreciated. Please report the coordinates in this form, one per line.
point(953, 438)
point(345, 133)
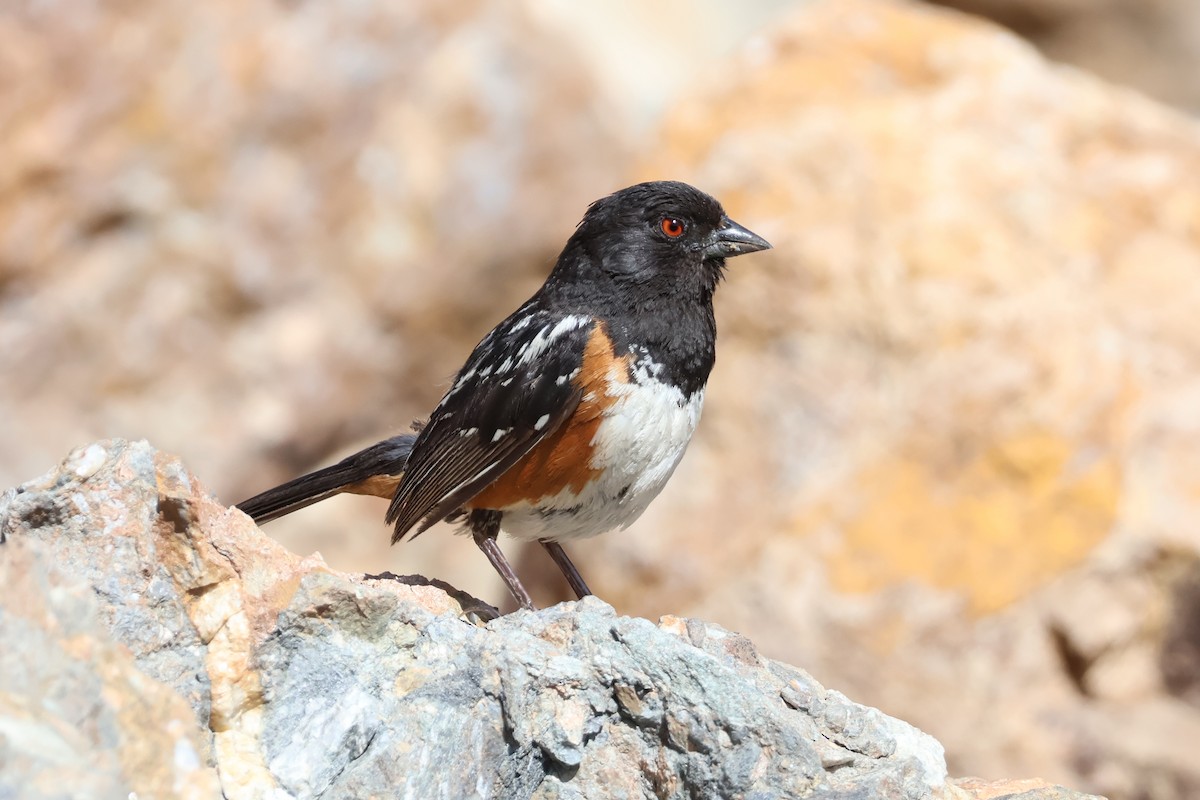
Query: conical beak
point(732, 239)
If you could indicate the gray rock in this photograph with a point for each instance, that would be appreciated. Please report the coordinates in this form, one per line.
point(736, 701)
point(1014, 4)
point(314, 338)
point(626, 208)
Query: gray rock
point(303, 682)
point(78, 718)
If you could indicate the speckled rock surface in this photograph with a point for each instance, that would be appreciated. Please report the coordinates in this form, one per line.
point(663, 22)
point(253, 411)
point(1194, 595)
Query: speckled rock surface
point(79, 717)
point(303, 682)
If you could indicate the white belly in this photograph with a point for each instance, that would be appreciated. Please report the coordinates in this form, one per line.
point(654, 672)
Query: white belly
point(637, 446)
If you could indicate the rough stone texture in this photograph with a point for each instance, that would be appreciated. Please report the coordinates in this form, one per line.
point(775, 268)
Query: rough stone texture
point(1151, 44)
point(304, 682)
point(952, 426)
point(953, 418)
point(78, 718)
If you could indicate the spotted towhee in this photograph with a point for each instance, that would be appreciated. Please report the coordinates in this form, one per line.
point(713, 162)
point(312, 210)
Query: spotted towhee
point(570, 416)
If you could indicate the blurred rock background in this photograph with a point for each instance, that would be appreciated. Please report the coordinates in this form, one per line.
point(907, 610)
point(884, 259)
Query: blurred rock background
point(950, 461)
point(1153, 45)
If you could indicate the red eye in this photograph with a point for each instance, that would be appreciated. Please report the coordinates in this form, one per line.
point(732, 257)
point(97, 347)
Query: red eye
point(672, 227)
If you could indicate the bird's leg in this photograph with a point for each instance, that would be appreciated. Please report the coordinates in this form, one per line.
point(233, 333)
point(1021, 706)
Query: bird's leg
point(485, 527)
point(568, 569)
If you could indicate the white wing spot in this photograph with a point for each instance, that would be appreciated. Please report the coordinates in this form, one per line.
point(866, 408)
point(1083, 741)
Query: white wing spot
point(541, 423)
point(538, 344)
point(462, 380)
point(568, 324)
point(500, 434)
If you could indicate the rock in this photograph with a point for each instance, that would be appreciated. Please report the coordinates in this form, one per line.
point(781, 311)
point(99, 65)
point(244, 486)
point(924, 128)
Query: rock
point(281, 224)
point(1153, 46)
point(78, 718)
point(1012, 790)
point(123, 575)
point(286, 224)
point(951, 423)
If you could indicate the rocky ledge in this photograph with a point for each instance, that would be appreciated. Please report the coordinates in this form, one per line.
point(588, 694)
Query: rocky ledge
point(157, 644)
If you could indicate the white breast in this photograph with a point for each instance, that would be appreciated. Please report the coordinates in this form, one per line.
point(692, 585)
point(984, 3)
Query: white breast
point(637, 446)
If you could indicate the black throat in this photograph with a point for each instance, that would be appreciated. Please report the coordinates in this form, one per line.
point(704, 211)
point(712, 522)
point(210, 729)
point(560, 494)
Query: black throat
point(670, 325)
point(678, 342)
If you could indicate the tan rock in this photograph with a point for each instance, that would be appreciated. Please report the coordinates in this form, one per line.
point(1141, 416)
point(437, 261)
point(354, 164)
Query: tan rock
point(954, 406)
point(978, 789)
point(956, 399)
point(1153, 45)
point(255, 231)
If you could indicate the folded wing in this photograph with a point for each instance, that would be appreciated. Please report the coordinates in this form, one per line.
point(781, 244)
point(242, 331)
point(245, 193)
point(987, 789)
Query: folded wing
point(516, 389)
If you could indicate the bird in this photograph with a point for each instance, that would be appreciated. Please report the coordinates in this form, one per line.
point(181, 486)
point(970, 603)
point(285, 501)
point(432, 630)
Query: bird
point(570, 416)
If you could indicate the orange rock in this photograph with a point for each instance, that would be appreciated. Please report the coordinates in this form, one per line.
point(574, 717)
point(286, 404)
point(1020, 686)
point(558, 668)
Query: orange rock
point(960, 390)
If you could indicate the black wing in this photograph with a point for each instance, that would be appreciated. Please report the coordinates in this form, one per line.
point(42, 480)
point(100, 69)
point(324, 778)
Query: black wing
point(515, 389)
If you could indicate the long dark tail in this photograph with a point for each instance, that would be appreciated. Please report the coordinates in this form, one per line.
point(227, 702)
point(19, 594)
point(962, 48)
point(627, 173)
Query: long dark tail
point(374, 471)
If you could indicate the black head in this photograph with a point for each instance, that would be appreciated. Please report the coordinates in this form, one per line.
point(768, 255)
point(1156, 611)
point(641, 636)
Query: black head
point(660, 237)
